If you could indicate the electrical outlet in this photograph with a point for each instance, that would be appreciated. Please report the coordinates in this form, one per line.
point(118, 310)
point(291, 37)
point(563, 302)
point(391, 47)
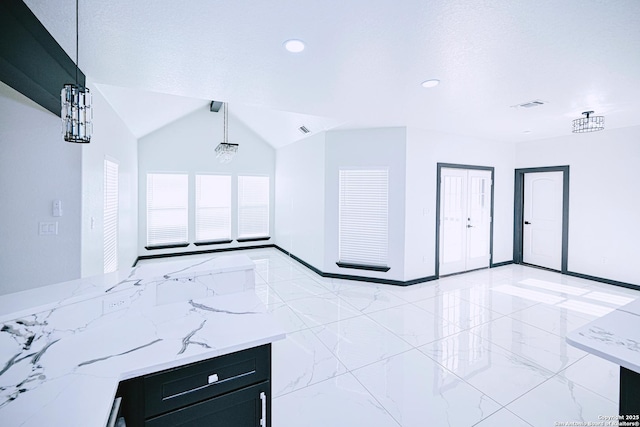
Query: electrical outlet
point(115, 303)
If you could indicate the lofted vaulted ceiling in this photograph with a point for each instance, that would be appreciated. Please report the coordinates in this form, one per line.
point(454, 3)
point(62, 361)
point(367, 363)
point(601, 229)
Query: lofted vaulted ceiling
point(363, 63)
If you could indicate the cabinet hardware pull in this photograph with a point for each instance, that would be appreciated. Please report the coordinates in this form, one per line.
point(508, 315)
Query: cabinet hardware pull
point(212, 378)
point(235, 377)
point(263, 418)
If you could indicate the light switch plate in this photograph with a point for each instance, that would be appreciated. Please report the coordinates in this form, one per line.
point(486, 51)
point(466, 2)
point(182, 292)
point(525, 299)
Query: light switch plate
point(48, 228)
point(57, 208)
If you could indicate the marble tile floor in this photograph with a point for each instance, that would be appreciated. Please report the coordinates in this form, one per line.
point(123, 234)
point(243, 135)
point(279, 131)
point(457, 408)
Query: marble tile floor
point(485, 348)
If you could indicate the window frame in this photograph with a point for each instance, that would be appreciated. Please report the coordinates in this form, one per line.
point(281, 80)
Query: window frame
point(226, 238)
point(184, 207)
point(256, 236)
point(352, 202)
point(110, 215)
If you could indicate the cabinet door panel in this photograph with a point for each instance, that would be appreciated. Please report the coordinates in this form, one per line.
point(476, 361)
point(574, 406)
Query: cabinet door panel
point(241, 408)
point(172, 389)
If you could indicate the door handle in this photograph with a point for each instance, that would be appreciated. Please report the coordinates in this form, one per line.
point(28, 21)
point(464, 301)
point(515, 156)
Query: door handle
point(469, 226)
point(527, 223)
point(263, 412)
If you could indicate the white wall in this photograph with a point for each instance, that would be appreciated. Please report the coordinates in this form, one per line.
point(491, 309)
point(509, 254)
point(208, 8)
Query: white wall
point(299, 199)
point(411, 155)
point(36, 167)
point(604, 198)
point(187, 146)
point(111, 139)
point(425, 149)
point(383, 147)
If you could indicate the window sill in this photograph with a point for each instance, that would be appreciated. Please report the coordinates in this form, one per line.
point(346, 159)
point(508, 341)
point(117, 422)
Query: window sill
point(252, 239)
point(363, 266)
point(213, 242)
point(175, 245)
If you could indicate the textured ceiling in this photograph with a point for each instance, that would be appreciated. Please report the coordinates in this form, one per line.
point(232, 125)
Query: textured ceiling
point(365, 60)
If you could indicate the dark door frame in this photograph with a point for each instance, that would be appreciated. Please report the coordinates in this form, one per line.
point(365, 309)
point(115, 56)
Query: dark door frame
point(518, 212)
point(439, 177)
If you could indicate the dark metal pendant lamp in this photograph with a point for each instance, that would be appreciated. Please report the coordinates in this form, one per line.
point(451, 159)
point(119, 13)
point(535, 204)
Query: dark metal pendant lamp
point(75, 100)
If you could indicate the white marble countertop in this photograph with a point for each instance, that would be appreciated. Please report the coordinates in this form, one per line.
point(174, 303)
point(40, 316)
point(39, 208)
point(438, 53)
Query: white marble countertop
point(614, 337)
point(61, 362)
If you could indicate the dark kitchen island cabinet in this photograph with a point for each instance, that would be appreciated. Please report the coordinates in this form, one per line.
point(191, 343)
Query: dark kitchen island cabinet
point(233, 390)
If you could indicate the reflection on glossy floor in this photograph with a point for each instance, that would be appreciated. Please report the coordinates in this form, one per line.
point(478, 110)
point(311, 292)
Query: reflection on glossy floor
point(486, 348)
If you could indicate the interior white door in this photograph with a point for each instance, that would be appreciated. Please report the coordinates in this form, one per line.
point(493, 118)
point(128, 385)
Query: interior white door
point(542, 217)
point(465, 219)
point(453, 211)
point(478, 219)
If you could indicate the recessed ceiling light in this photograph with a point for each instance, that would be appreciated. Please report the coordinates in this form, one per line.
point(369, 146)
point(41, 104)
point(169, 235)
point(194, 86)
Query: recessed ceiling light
point(294, 45)
point(430, 83)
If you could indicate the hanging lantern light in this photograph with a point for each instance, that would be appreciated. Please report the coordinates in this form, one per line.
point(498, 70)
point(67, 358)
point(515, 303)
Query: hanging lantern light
point(76, 109)
point(226, 151)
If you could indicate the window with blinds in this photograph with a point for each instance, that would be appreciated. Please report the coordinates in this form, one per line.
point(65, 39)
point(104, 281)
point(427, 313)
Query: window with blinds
point(213, 208)
point(167, 209)
point(363, 218)
point(110, 216)
point(253, 207)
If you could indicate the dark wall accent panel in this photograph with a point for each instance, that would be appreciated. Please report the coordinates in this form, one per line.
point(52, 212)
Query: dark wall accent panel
point(31, 60)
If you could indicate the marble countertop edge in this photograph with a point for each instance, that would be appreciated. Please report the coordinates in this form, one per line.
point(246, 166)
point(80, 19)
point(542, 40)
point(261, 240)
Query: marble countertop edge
point(604, 355)
point(614, 337)
point(44, 298)
point(64, 350)
point(146, 370)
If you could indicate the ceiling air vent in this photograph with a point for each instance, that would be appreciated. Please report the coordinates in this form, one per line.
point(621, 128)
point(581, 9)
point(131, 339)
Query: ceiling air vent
point(530, 104)
point(304, 130)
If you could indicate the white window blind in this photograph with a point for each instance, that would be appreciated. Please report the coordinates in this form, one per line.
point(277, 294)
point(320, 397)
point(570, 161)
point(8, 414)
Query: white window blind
point(213, 207)
point(167, 209)
point(253, 206)
point(363, 216)
point(110, 216)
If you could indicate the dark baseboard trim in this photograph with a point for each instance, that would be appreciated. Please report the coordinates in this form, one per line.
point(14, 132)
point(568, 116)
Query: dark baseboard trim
point(458, 273)
point(539, 267)
point(419, 280)
point(356, 278)
point(212, 242)
point(208, 251)
point(603, 280)
point(380, 281)
point(501, 264)
point(301, 261)
point(363, 278)
point(177, 245)
point(363, 267)
point(252, 239)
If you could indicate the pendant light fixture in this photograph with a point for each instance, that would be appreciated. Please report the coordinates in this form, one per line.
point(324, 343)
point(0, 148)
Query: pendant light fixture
point(225, 151)
point(588, 123)
point(76, 107)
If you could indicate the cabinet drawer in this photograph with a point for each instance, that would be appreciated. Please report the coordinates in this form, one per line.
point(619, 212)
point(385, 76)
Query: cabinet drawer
point(248, 407)
point(186, 385)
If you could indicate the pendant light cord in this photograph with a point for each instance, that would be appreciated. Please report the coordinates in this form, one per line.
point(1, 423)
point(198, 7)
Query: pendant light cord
point(77, 38)
point(226, 116)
